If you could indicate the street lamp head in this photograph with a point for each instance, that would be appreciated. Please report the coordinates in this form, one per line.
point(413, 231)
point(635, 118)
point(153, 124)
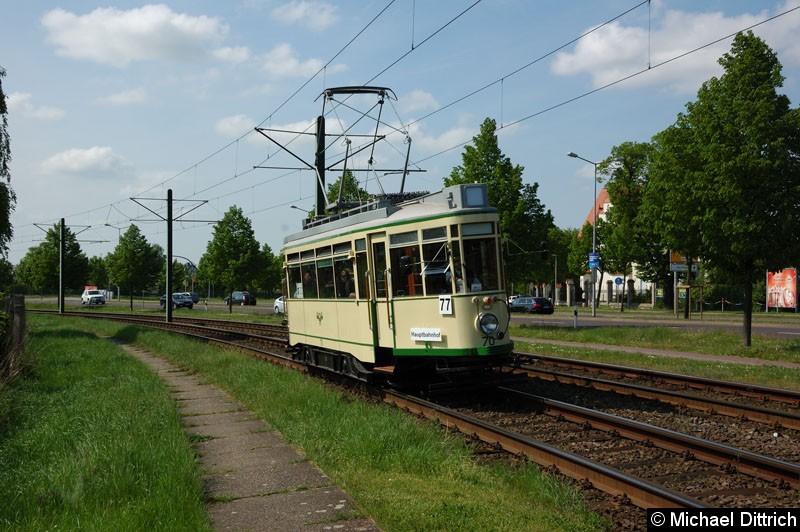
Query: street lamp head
point(572, 154)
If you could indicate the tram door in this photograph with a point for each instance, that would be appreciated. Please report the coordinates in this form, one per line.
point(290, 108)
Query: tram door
point(381, 302)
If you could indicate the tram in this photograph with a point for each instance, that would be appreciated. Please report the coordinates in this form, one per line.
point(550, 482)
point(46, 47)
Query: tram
point(405, 287)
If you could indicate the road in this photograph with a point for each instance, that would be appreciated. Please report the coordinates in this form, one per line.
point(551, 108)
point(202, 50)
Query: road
point(786, 326)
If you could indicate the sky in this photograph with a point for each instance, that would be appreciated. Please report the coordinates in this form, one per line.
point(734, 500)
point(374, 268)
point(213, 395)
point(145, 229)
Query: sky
point(111, 105)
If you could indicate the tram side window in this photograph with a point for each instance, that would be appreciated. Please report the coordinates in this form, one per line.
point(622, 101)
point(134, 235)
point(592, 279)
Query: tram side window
point(325, 279)
point(295, 282)
point(309, 281)
point(406, 278)
point(480, 264)
point(379, 263)
point(361, 274)
point(345, 283)
point(436, 265)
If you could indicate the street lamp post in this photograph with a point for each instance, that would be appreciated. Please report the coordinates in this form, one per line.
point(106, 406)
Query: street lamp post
point(594, 229)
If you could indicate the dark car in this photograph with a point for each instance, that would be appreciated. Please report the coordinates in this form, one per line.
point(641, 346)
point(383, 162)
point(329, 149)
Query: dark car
point(240, 298)
point(179, 299)
point(534, 305)
point(194, 295)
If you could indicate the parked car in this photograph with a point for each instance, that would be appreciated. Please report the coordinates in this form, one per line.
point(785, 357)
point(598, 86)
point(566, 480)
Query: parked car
point(280, 306)
point(511, 299)
point(240, 298)
point(179, 299)
point(194, 296)
point(534, 305)
point(93, 297)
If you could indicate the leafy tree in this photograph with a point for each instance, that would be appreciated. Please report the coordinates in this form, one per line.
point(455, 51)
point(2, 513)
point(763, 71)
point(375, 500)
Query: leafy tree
point(632, 236)
point(39, 268)
point(232, 257)
point(668, 207)
point(560, 242)
point(8, 198)
point(6, 275)
point(98, 273)
point(524, 222)
point(351, 191)
point(180, 278)
point(135, 263)
point(269, 279)
point(628, 238)
point(730, 173)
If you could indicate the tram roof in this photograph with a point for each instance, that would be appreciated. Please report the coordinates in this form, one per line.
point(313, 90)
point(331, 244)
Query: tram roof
point(450, 200)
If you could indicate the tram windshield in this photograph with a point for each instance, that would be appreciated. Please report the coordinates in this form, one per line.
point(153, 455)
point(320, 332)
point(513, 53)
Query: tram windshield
point(480, 268)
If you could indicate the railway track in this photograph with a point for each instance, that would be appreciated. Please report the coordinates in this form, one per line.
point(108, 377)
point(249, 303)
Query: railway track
point(764, 474)
point(735, 400)
point(730, 390)
point(780, 473)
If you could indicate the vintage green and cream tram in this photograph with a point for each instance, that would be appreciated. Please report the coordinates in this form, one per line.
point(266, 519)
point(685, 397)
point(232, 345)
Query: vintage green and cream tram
point(410, 289)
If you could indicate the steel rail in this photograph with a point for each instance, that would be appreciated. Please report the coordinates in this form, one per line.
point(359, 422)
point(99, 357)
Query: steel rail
point(607, 479)
point(747, 462)
point(791, 397)
point(775, 418)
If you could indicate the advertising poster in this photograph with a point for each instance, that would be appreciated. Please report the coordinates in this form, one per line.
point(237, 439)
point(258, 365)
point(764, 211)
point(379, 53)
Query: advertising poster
point(782, 289)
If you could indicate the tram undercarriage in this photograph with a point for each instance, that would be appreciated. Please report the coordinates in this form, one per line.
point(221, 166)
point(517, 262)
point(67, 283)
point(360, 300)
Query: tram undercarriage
point(424, 374)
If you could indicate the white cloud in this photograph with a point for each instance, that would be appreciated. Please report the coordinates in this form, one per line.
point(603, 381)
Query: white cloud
point(234, 126)
point(20, 102)
point(455, 136)
point(236, 55)
point(94, 162)
point(128, 97)
point(418, 100)
point(616, 51)
point(152, 182)
point(282, 62)
point(315, 15)
point(115, 37)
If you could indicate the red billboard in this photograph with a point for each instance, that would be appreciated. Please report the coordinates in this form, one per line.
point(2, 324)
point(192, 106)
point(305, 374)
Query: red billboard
point(782, 289)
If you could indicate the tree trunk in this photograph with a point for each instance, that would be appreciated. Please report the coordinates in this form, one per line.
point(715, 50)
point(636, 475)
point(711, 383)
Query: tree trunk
point(747, 307)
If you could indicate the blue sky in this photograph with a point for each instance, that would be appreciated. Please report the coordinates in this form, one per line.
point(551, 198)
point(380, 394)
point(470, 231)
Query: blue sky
point(127, 100)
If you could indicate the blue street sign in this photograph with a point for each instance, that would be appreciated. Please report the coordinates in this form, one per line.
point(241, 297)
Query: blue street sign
point(618, 280)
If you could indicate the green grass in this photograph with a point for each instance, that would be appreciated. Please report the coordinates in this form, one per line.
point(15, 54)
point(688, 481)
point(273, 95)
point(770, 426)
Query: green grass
point(406, 473)
point(714, 342)
point(90, 439)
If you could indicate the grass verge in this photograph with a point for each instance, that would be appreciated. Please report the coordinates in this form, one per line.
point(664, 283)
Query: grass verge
point(707, 341)
point(405, 473)
point(90, 439)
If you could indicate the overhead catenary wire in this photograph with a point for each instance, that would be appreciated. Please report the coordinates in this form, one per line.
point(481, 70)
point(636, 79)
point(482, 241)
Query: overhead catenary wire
point(127, 218)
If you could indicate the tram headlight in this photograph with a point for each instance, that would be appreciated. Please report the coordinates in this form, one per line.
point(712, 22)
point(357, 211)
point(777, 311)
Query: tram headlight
point(488, 323)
